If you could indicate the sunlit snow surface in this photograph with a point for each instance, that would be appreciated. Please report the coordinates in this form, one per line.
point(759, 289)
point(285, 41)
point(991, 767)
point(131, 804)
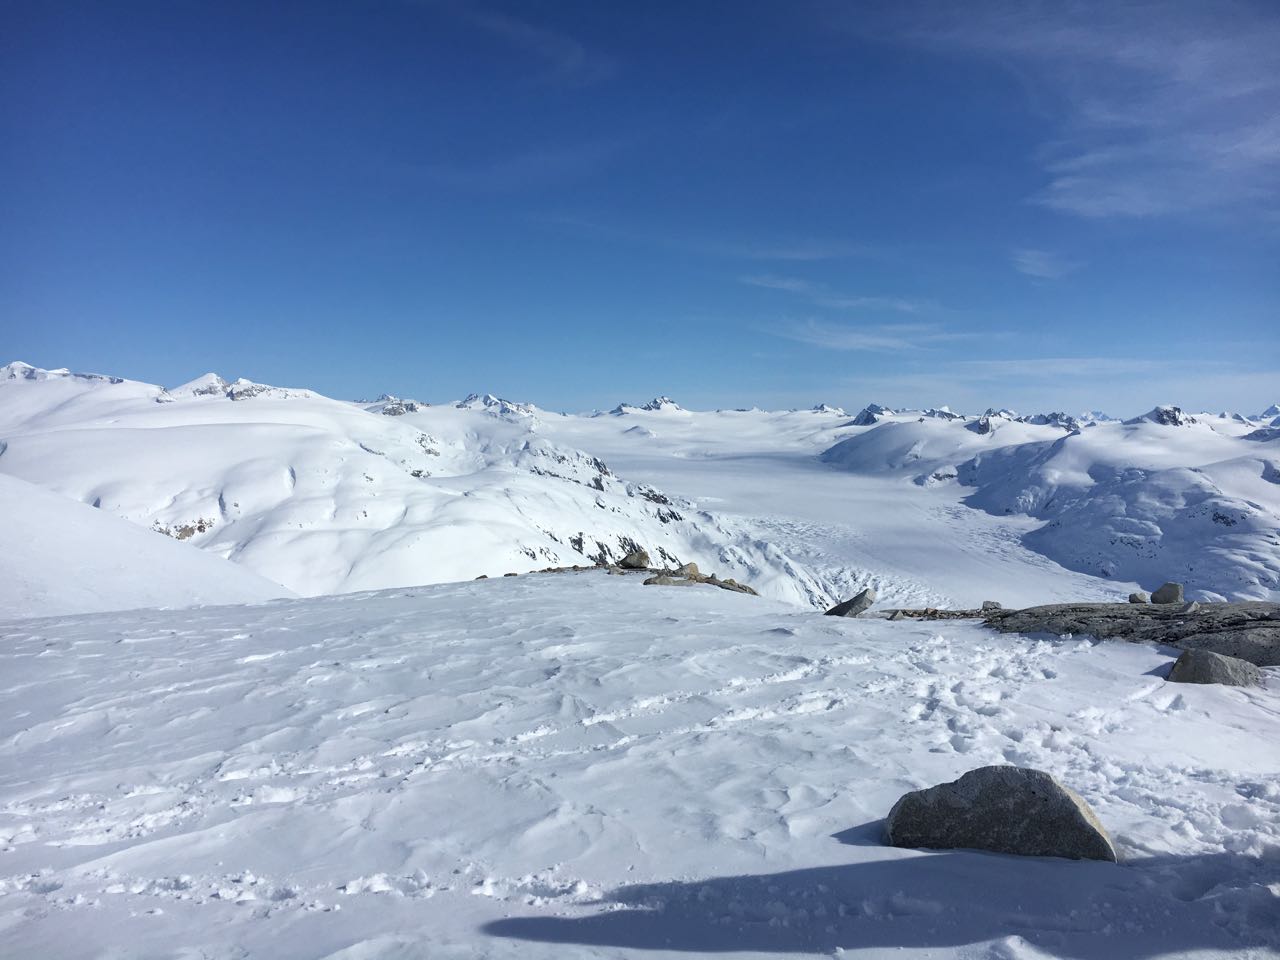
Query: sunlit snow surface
point(575, 765)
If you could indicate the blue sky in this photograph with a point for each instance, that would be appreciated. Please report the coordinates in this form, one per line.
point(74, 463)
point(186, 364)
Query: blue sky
point(576, 203)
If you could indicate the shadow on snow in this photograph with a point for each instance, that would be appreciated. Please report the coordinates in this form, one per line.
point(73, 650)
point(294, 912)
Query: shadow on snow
point(1141, 908)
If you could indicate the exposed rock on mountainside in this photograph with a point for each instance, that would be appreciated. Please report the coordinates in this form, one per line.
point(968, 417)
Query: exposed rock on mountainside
point(496, 406)
point(328, 496)
point(1003, 809)
point(1249, 631)
point(870, 414)
point(391, 406)
point(1166, 416)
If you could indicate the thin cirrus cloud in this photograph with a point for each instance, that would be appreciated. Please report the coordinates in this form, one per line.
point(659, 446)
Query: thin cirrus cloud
point(887, 338)
point(564, 58)
point(819, 295)
point(1160, 108)
point(540, 166)
point(1042, 264)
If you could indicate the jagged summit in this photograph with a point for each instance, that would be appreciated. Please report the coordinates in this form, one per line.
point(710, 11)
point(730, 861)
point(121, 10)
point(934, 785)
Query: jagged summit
point(871, 413)
point(213, 385)
point(496, 405)
point(1166, 415)
point(662, 404)
point(1271, 411)
point(827, 408)
point(390, 405)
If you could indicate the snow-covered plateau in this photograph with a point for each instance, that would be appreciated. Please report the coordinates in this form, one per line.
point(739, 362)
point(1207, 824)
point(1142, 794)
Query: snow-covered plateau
point(255, 703)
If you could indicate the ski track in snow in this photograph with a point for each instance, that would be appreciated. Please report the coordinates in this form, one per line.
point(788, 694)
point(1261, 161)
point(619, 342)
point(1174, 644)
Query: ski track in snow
point(570, 765)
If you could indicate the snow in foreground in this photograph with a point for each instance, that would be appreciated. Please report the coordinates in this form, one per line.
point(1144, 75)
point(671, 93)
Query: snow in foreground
point(576, 765)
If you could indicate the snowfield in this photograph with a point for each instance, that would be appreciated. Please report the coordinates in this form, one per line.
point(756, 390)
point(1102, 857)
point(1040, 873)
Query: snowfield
point(808, 506)
point(62, 557)
point(574, 765)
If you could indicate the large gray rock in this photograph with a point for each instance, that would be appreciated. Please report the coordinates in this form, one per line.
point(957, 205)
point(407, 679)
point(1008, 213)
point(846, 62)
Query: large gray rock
point(1202, 666)
point(1003, 809)
point(854, 606)
point(1169, 593)
point(1248, 630)
point(635, 560)
point(1139, 597)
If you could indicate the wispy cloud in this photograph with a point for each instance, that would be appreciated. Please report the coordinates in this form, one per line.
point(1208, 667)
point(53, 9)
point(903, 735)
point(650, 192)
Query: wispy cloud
point(820, 295)
point(1162, 108)
point(1088, 368)
point(1042, 264)
point(564, 58)
point(889, 337)
point(791, 249)
point(535, 167)
point(796, 250)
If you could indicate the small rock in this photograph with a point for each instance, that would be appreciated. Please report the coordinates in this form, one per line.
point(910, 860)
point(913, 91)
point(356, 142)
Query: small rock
point(1004, 809)
point(688, 570)
point(483, 576)
point(511, 574)
point(1169, 593)
point(989, 605)
point(854, 606)
point(1191, 607)
point(1202, 666)
point(897, 615)
point(635, 560)
point(1139, 597)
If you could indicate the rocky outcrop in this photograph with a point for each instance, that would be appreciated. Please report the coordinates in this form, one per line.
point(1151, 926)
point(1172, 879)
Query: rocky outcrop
point(1247, 630)
point(1003, 809)
point(637, 559)
point(1169, 593)
point(1203, 666)
point(855, 605)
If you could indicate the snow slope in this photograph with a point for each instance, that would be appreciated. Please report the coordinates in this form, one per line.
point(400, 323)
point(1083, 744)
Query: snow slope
point(1147, 502)
point(849, 525)
point(574, 765)
point(326, 496)
point(928, 506)
point(60, 557)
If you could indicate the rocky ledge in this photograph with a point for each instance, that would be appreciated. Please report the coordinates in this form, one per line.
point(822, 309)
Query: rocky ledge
point(1249, 631)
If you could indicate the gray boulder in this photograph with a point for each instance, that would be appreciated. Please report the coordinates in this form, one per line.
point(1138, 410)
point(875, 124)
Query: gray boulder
point(1139, 597)
point(637, 559)
point(855, 606)
point(990, 605)
point(1004, 809)
point(690, 569)
point(1202, 666)
point(1169, 593)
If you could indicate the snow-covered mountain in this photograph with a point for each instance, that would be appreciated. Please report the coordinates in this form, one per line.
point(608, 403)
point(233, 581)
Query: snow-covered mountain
point(325, 496)
point(322, 495)
point(1161, 496)
point(60, 557)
